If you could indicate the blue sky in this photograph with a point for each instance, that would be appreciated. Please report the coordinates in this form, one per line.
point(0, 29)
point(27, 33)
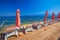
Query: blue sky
point(28, 7)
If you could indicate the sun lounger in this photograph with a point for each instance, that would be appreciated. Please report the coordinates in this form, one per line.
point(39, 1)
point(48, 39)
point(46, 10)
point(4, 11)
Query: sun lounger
point(15, 32)
point(30, 29)
point(36, 26)
point(2, 36)
point(25, 30)
point(5, 35)
point(39, 26)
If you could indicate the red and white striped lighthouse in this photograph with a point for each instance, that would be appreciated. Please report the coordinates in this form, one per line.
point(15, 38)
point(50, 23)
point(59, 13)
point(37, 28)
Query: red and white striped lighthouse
point(18, 23)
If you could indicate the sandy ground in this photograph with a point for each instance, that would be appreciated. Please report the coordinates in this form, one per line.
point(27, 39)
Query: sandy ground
point(51, 32)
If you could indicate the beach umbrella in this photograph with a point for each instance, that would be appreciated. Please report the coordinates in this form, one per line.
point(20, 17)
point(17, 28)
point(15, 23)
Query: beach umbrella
point(53, 16)
point(46, 13)
point(45, 17)
point(18, 23)
point(59, 15)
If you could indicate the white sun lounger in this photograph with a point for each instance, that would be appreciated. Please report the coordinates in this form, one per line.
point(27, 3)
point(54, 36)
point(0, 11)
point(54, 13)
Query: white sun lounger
point(25, 30)
point(11, 33)
point(29, 29)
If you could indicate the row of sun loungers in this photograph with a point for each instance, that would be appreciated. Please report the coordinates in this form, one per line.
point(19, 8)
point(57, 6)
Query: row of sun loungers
point(37, 26)
point(31, 28)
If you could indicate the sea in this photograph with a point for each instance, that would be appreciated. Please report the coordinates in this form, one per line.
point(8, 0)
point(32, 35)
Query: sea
point(11, 20)
point(24, 19)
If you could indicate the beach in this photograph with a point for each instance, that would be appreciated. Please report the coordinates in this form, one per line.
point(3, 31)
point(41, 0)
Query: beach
point(29, 20)
point(50, 32)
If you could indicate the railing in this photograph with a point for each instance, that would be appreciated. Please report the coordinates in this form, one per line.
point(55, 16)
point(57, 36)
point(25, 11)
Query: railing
point(2, 23)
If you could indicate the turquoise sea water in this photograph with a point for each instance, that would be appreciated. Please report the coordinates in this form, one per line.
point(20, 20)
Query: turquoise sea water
point(24, 19)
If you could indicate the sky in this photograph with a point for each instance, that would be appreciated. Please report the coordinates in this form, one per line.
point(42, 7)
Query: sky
point(29, 7)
